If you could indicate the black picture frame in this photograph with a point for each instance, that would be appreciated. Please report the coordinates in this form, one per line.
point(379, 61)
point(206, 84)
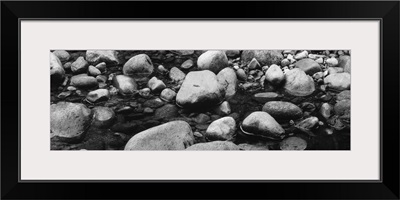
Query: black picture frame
point(385, 11)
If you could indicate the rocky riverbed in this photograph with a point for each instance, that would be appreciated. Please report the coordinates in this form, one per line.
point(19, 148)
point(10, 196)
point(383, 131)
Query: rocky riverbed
point(200, 100)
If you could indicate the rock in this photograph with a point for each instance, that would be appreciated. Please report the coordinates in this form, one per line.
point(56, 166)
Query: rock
point(201, 118)
point(67, 66)
point(69, 121)
point(156, 85)
point(139, 67)
point(98, 95)
point(175, 135)
point(293, 143)
point(214, 146)
point(332, 62)
point(93, 71)
point(342, 107)
point(64, 95)
point(153, 103)
point(254, 64)
point(214, 61)
point(101, 66)
point(241, 74)
point(103, 117)
point(301, 55)
point(176, 74)
point(282, 110)
point(319, 60)
point(145, 92)
point(200, 88)
point(232, 53)
point(97, 56)
point(223, 109)
point(62, 55)
point(253, 147)
point(221, 129)
point(130, 127)
point(162, 69)
point(264, 57)
point(326, 110)
point(308, 124)
point(79, 66)
point(187, 64)
point(57, 72)
point(298, 83)
point(343, 95)
point(148, 110)
point(315, 56)
point(84, 81)
point(308, 65)
point(125, 84)
point(265, 96)
point(71, 88)
point(345, 63)
point(228, 81)
point(185, 52)
point(339, 81)
point(334, 70)
point(274, 75)
point(262, 124)
point(168, 95)
point(285, 62)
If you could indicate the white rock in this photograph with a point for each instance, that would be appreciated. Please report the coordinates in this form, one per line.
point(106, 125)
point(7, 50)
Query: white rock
point(298, 83)
point(156, 85)
point(338, 81)
point(228, 81)
point(221, 129)
point(98, 95)
point(223, 109)
point(125, 84)
point(139, 67)
point(214, 61)
point(97, 56)
point(262, 124)
point(274, 75)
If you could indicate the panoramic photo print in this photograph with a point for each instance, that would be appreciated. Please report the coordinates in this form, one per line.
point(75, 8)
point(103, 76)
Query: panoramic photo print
point(200, 100)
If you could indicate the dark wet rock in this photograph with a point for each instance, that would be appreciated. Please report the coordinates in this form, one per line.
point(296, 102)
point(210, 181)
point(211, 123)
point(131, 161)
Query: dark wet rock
point(339, 81)
point(253, 64)
point(103, 117)
point(167, 111)
point(343, 95)
point(62, 55)
point(124, 109)
point(345, 63)
point(168, 95)
point(187, 64)
point(139, 67)
point(176, 75)
point(293, 143)
point(228, 81)
point(67, 66)
point(223, 109)
point(307, 107)
point(125, 84)
point(264, 57)
point(97, 56)
point(214, 146)
point(201, 118)
point(298, 83)
point(221, 129)
point(264, 97)
point(93, 71)
point(64, 95)
point(84, 81)
point(326, 110)
point(285, 62)
point(200, 88)
point(262, 124)
point(202, 126)
point(241, 74)
point(274, 75)
point(214, 61)
point(282, 110)
point(57, 72)
point(175, 135)
point(79, 66)
point(101, 66)
point(156, 85)
point(98, 95)
point(128, 128)
point(342, 107)
point(309, 66)
point(232, 53)
point(153, 103)
point(69, 121)
point(235, 116)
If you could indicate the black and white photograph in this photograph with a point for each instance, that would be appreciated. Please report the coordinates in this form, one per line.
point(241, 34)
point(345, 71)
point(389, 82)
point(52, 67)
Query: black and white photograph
point(200, 100)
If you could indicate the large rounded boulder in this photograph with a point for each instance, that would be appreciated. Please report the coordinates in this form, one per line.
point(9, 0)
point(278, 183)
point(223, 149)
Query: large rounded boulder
point(282, 110)
point(139, 67)
point(298, 83)
point(200, 88)
point(262, 124)
point(175, 135)
point(214, 61)
point(264, 57)
point(339, 81)
point(69, 121)
point(309, 66)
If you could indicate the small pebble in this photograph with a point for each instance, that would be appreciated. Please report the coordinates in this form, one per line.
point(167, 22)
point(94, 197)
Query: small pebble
point(145, 92)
